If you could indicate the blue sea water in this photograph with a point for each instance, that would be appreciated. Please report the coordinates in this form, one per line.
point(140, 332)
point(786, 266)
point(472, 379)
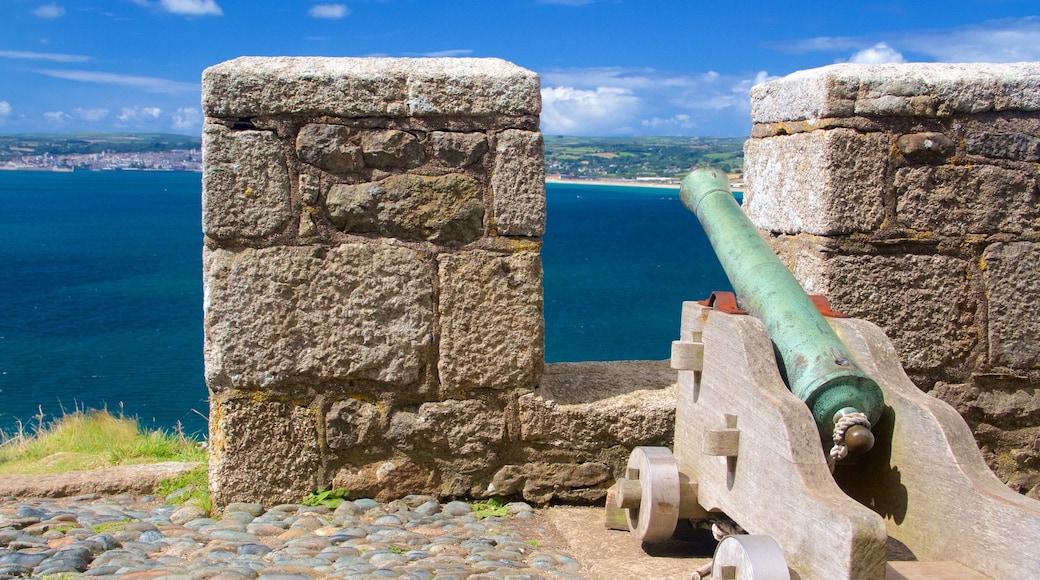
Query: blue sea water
point(618, 263)
point(101, 290)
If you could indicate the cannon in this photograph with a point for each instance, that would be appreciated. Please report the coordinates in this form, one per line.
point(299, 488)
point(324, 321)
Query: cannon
point(798, 426)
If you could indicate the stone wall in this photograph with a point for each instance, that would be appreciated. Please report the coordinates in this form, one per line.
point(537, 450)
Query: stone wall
point(908, 195)
point(373, 291)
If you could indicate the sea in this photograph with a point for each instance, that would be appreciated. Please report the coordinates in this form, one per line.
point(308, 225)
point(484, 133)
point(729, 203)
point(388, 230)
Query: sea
point(101, 288)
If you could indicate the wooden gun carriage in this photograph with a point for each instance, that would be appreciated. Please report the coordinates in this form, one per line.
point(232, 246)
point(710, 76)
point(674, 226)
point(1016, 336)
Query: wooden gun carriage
point(751, 440)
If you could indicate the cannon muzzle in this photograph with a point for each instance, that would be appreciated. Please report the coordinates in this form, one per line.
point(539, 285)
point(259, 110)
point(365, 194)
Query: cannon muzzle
point(814, 362)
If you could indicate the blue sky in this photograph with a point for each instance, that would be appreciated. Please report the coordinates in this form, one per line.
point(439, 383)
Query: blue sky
point(608, 67)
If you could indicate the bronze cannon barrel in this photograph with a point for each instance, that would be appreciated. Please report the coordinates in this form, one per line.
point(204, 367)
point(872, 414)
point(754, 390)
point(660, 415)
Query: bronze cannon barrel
point(814, 362)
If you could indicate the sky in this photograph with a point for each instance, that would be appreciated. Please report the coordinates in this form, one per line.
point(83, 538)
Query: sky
point(608, 67)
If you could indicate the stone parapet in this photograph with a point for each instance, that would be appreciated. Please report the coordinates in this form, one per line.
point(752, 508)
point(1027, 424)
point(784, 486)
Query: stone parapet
point(897, 90)
point(909, 194)
point(373, 290)
point(406, 88)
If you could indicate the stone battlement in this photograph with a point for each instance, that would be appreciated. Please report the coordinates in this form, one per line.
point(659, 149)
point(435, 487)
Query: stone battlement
point(908, 194)
point(373, 285)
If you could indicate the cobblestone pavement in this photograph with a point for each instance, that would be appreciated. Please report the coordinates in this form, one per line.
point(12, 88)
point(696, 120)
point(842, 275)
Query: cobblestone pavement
point(134, 537)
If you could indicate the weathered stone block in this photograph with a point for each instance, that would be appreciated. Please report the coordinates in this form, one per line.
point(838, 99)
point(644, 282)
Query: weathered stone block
point(356, 311)
point(369, 87)
point(542, 482)
point(458, 150)
point(1004, 413)
point(389, 149)
point(1016, 146)
point(1013, 291)
point(391, 479)
point(958, 200)
point(353, 423)
point(450, 429)
point(821, 182)
point(262, 450)
point(926, 147)
point(924, 304)
point(246, 192)
point(492, 327)
point(803, 254)
point(898, 90)
point(518, 183)
point(591, 406)
point(329, 147)
point(1010, 407)
point(444, 209)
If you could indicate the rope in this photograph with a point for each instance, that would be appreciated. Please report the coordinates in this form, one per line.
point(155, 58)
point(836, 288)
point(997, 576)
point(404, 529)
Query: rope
point(840, 450)
point(720, 528)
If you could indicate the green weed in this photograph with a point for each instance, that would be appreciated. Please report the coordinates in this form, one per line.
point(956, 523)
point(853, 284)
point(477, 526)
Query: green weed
point(330, 498)
point(494, 507)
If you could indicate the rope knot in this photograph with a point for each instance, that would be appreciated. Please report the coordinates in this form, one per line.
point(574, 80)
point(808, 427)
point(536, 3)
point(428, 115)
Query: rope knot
point(840, 450)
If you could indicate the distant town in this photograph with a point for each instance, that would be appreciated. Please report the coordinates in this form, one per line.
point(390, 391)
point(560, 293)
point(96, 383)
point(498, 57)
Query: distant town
point(100, 152)
point(175, 160)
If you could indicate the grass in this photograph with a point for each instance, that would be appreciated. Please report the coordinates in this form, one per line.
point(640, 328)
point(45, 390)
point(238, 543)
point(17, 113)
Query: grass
point(191, 487)
point(91, 439)
point(114, 526)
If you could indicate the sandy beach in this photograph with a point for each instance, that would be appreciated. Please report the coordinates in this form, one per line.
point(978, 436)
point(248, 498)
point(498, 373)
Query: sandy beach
point(615, 182)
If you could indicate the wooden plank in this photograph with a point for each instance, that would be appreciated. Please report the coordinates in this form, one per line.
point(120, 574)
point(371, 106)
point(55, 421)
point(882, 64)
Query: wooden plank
point(779, 483)
point(930, 571)
point(927, 478)
point(687, 355)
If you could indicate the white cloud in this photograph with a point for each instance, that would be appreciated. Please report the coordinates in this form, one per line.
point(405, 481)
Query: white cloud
point(643, 101)
point(134, 114)
point(5, 108)
point(880, 53)
point(56, 116)
point(329, 11)
point(743, 87)
point(572, 111)
point(192, 7)
point(1011, 40)
point(680, 123)
point(44, 56)
point(147, 84)
point(49, 11)
point(186, 119)
point(1006, 40)
point(90, 115)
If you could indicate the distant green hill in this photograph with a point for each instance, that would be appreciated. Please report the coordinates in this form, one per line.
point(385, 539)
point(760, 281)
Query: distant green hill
point(13, 146)
point(590, 157)
point(632, 157)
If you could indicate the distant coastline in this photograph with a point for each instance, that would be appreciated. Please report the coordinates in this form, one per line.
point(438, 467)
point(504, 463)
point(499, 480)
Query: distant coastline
point(33, 168)
point(656, 184)
point(63, 169)
point(671, 184)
